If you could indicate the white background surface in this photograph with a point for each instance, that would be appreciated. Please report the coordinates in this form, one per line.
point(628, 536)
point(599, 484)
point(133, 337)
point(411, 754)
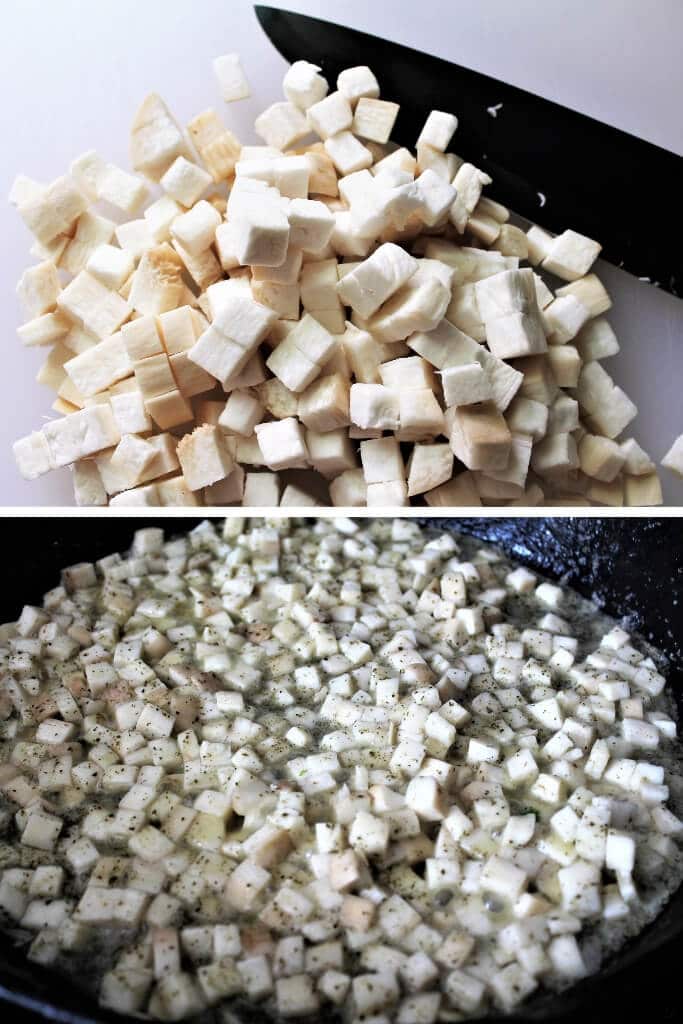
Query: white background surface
point(74, 72)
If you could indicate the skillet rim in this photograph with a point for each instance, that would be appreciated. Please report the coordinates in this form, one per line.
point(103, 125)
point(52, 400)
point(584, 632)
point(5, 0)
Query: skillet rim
point(545, 1006)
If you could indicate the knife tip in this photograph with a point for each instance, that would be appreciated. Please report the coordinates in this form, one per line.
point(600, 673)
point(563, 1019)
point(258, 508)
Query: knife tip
point(263, 14)
point(260, 12)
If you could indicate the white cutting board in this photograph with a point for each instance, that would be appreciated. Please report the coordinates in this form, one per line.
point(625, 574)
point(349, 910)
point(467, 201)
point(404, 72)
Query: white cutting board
point(74, 72)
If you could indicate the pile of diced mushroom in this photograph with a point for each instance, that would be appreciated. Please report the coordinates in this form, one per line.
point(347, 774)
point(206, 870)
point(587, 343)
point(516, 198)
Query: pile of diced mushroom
point(324, 764)
point(202, 349)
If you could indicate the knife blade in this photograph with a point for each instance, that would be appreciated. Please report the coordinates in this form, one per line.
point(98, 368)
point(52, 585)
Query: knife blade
point(551, 165)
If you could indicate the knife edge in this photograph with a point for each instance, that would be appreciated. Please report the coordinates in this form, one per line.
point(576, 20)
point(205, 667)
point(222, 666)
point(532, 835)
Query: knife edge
point(571, 170)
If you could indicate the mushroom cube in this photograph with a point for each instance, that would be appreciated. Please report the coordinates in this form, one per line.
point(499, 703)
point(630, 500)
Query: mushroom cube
point(429, 466)
point(52, 211)
point(512, 241)
point(564, 317)
point(244, 885)
point(510, 291)
point(169, 410)
point(94, 307)
point(374, 406)
point(44, 330)
point(330, 453)
point(283, 444)
point(41, 830)
point(185, 181)
point(420, 415)
point(324, 405)
point(553, 453)
point(503, 877)
point(241, 413)
point(374, 993)
point(157, 284)
point(468, 183)
point(590, 292)
point(642, 491)
point(526, 416)
point(281, 125)
point(606, 405)
point(296, 996)
point(310, 225)
point(100, 366)
point(673, 459)
point(409, 373)
point(319, 294)
point(331, 115)
point(466, 384)
point(418, 306)
point(218, 148)
point(571, 255)
point(596, 340)
point(516, 471)
point(283, 299)
point(115, 186)
point(81, 434)
point(303, 85)
point(438, 130)
point(141, 338)
point(387, 494)
point(261, 234)
point(480, 437)
point(221, 356)
point(190, 378)
point(349, 488)
point(539, 242)
point(292, 366)
point(32, 455)
point(88, 486)
point(298, 359)
point(356, 82)
point(156, 140)
point(397, 917)
point(347, 153)
point(620, 852)
point(516, 334)
point(424, 796)
point(600, 457)
point(374, 118)
point(111, 266)
point(374, 280)
point(261, 490)
point(566, 958)
point(565, 363)
point(369, 834)
point(382, 460)
point(160, 216)
point(131, 458)
point(231, 78)
point(39, 287)
point(153, 375)
point(91, 231)
point(364, 354)
point(196, 229)
point(243, 321)
point(436, 197)
point(204, 457)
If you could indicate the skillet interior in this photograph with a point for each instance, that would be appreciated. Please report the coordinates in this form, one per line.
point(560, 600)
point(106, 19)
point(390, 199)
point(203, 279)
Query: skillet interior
point(631, 567)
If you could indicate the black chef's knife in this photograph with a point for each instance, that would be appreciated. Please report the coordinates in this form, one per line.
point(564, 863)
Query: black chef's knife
point(549, 164)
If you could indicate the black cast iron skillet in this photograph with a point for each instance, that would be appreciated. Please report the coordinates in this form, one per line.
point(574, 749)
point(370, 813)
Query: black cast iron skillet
point(631, 567)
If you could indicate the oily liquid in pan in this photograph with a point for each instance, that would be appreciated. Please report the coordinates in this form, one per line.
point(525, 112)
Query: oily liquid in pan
point(600, 941)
